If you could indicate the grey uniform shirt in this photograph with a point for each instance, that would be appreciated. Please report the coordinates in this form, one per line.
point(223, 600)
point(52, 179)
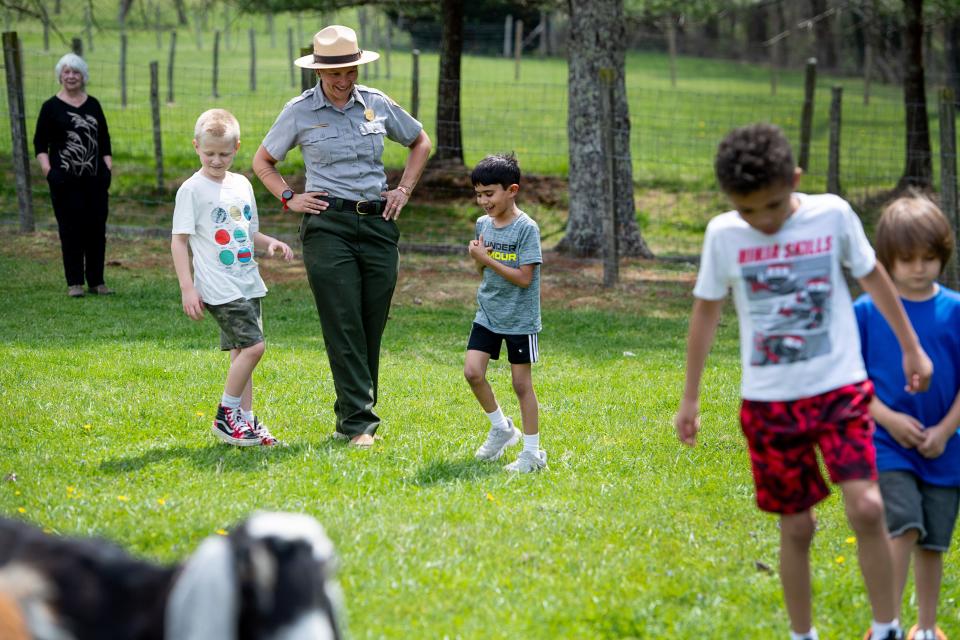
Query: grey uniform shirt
point(342, 148)
point(503, 307)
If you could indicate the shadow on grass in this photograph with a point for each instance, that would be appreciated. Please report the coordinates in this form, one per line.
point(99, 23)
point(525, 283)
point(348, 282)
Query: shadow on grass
point(213, 457)
point(440, 471)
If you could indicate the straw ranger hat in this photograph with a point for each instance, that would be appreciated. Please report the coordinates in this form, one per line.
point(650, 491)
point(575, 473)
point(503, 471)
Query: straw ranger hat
point(336, 47)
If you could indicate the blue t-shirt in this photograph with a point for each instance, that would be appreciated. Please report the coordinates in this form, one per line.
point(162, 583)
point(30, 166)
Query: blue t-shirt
point(937, 323)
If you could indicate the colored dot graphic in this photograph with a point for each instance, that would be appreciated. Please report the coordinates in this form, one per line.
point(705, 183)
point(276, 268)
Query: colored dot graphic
point(226, 256)
point(244, 255)
point(246, 212)
point(240, 235)
point(222, 236)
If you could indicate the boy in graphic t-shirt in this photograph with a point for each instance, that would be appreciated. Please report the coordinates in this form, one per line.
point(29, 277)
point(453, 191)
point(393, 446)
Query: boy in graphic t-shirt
point(804, 384)
point(506, 250)
point(216, 217)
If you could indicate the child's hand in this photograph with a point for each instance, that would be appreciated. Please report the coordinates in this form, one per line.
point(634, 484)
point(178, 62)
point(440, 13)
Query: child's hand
point(283, 247)
point(477, 251)
point(917, 369)
point(687, 422)
point(905, 429)
point(192, 304)
point(934, 441)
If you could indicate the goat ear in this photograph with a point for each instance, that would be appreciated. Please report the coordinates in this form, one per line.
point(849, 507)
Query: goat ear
point(203, 602)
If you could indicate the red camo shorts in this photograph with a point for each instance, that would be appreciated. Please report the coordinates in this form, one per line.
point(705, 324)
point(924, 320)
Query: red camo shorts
point(783, 438)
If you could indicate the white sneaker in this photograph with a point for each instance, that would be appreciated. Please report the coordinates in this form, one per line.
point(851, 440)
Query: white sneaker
point(528, 461)
point(497, 442)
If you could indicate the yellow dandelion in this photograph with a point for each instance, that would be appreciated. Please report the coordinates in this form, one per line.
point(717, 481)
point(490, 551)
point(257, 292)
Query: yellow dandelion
point(221, 532)
point(199, 414)
point(161, 501)
point(840, 560)
point(851, 540)
point(490, 497)
point(71, 489)
point(17, 492)
point(87, 427)
point(21, 510)
point(123, 498)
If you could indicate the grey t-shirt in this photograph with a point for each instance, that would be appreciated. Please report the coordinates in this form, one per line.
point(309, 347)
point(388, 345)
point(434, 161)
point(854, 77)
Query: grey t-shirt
point(503, 306)
point(342, 148)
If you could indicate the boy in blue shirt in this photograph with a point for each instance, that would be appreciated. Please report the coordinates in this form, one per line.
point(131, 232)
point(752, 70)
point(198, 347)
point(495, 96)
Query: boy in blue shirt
point(918, 451)
point(506, 250)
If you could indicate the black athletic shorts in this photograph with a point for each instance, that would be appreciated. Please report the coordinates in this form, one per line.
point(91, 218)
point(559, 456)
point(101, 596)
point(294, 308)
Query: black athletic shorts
point(521, 349)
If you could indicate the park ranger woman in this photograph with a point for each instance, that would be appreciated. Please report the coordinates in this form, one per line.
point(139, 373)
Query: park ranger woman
point(349, 230)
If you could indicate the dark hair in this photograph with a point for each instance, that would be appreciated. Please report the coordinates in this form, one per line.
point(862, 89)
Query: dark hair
point(499, 168)
point(753, 157)
point(913, 226)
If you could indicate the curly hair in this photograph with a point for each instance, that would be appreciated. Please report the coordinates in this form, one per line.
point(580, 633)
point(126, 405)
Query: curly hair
point(501, 169)
point(753, 157)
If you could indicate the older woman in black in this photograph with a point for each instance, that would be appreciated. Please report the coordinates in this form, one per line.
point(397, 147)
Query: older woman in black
point(72, 144)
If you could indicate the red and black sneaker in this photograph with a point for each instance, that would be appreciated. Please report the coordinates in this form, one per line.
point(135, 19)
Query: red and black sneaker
point(261, 431)
point(230, 427)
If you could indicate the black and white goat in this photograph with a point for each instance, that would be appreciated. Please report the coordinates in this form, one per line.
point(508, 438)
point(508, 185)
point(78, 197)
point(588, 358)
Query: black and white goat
point(271, 579)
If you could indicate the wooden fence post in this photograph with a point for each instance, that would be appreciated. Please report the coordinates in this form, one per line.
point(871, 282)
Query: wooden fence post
point(948, 178)
point(123, 70)
point(806, 117)
point(293, 76)
point(517, 48)
point(13, 64)
point(415, 84)
point(155, 112)
point(253, 61)
point(308, 77)
point(76, 45)
point(833, 163)
point(173, 50)
point(611, 262)
point(216, 61)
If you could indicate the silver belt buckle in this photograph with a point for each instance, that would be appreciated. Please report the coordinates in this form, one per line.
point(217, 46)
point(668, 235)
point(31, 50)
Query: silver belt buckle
point(360, 202)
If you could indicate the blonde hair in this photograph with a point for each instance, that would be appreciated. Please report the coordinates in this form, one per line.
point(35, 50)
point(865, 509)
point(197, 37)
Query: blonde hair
point(218, 123)
point(913, 226)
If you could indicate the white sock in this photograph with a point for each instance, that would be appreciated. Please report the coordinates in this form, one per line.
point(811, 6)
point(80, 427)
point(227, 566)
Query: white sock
point(879, 630)
point(809, 635)
point(531, 443)
point(230, 401)
point(248, 415)
point(498, 420)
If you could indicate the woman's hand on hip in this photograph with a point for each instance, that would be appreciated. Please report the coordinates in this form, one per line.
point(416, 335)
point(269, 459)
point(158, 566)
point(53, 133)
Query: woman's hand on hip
point(308, 202)
point(396, 201)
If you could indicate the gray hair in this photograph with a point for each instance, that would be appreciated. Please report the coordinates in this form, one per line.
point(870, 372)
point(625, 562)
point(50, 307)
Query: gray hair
point(74, 62)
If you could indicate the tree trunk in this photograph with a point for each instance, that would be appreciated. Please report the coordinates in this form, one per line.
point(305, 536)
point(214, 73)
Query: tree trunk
point(181, 13)
point(449, 148)
point(124, 10)
point(823, 32)
point(598, 40)
point(918, 170)
point(952, 30)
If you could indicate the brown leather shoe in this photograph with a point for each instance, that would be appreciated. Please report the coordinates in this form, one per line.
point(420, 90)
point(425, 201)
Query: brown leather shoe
point(75, 291)
point(101, 290)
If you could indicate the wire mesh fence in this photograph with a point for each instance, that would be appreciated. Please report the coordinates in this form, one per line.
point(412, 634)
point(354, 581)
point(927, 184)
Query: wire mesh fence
point(674, 130)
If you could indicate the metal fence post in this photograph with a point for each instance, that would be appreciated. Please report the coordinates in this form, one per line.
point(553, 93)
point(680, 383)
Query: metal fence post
point(253, 61)
point(806, 118)
point(948, 177)
point(833, 164)
point(611, 263)
point(415, 84)
point(173, 51)
point(13, 63)
point(216, 62)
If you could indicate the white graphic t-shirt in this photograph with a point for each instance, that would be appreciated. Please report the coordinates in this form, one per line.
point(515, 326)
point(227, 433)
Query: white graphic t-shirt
point(798, 332)
point(221, 218)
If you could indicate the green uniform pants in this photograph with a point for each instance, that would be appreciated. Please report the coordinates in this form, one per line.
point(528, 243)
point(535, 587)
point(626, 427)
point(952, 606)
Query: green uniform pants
point(352, 262)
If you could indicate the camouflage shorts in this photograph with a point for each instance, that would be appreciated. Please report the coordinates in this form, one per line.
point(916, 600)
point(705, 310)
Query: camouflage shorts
point(241, 325)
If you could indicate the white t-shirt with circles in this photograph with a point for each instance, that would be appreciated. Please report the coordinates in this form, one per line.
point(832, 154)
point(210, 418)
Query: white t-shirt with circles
point(220, 218)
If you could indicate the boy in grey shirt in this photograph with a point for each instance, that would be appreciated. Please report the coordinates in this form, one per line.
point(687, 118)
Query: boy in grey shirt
point(507, 253)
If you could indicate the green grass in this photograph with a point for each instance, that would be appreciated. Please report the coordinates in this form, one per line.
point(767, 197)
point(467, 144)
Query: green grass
point(627, 534)
point(674, 131)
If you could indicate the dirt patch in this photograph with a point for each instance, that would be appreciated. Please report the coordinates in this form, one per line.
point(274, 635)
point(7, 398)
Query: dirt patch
point(450, 185)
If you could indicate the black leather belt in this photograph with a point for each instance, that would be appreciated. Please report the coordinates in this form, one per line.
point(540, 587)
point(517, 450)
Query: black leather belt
point(361, 207)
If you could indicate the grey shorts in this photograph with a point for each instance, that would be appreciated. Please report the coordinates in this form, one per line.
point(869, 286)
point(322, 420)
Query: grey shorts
point(911, 503)
point(241, 324)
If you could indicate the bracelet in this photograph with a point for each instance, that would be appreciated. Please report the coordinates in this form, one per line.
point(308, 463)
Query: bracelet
point(404, 190)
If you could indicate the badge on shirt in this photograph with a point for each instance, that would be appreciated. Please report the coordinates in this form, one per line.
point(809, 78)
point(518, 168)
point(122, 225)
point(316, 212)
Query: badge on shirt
point(369, 114)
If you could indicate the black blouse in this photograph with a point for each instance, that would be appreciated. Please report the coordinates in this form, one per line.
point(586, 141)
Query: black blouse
point(76, 138)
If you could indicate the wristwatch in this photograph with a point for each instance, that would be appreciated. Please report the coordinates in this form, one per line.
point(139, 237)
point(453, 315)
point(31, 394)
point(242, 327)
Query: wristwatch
point(286, 197)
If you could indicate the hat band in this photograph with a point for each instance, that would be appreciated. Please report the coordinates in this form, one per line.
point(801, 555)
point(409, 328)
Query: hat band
point(351, 57)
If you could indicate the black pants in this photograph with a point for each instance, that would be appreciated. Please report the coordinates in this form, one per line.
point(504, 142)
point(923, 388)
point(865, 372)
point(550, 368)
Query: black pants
point(80, 206)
